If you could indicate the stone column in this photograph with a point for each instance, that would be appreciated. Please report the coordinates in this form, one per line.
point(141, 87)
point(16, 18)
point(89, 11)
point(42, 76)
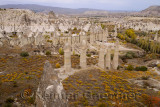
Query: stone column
point(72, 39)
point(105, 35)
point(107, 32)
point(115, 31)
point(73, 48)
point(116, 56)
point(69, 40)
point(67, 58)
point(57, 40)
point(101, 56)
point(91, 38)
point(98, 36)
point(94, 37)
point(83, 62)
point(82, 38)
point(156, 37)
point(159, 39)
point(77, 39)
point(101, 36)
point(108, 58)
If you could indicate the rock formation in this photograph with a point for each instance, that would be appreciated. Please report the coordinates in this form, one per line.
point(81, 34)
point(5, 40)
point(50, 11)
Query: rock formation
point(83, 62)
point(67, 58)
point(50, 92)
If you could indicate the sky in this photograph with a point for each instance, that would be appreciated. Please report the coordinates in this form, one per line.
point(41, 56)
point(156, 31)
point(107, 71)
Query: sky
point(132, 5)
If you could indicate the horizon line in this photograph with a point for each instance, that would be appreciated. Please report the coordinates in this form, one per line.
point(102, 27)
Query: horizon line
point(80, 8)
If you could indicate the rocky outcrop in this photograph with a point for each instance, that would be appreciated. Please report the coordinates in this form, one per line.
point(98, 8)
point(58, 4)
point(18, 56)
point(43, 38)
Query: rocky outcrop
point(25, 19)
point(50, 92)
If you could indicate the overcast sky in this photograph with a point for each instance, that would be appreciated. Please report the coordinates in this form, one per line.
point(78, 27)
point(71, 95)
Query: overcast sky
point(96, 4)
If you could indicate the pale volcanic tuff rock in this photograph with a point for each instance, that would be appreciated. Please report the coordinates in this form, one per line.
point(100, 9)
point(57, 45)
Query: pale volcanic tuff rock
point(50, 92)
point(101, 13)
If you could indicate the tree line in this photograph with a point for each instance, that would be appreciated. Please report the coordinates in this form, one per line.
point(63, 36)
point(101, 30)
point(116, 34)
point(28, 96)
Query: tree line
point(145, 43)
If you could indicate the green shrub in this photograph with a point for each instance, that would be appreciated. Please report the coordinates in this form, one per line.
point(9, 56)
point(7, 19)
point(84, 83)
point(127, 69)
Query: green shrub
point(24, 54)
point(158, 66)
point(48, 53)
point(66, 32)
point(47, 36)
point(145, 77)
point(50, 41)
point(77, 55)
point(31, 100)
point(75, 29)
point(9, 100)
point(141, 68)
point(152, 56)
point(103, 26)
point(26, 72)
point(61, 52)
point(8, 105)
point(129, 67)
point(15, 84)
point(119, 67)
point(130, 55)
point(88, 55)
point(74, 53)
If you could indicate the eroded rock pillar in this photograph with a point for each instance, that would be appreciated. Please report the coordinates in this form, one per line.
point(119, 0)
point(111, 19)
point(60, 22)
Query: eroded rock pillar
point(67, 58)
